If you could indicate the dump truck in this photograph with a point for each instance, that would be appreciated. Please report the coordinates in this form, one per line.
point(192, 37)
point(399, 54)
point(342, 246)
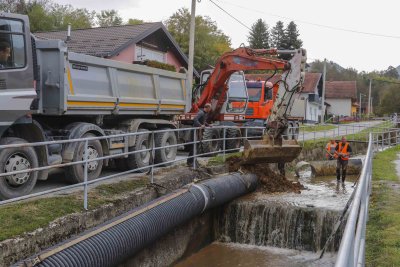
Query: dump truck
point(48, 93)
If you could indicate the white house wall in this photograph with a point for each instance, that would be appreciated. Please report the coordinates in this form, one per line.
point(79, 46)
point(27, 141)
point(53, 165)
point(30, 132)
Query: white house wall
point(303, 108)
point(339, 107)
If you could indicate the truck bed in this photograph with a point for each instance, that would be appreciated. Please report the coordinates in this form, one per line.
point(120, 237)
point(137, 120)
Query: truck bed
point(78, 84)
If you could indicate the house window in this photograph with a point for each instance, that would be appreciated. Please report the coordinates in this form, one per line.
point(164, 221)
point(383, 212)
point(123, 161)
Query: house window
point(143, 53)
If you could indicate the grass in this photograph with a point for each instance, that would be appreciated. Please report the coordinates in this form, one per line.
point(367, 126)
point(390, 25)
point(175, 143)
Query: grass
point(16, 219)
point(383, 228)
point(316, 128)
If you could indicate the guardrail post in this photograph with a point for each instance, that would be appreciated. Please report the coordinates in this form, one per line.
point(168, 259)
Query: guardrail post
point(152, 157)
point(194, 147)
point(224, 141)
point(85, 176)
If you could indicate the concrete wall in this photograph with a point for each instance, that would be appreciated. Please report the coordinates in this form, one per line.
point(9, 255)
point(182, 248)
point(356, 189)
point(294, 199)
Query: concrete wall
point(339, 106)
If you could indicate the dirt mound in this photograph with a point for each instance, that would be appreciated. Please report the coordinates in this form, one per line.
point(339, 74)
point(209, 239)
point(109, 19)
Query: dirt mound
point(271, 181)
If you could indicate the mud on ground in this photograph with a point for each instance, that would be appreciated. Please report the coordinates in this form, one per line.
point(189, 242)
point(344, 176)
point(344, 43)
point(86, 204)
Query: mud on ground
point(270, 181)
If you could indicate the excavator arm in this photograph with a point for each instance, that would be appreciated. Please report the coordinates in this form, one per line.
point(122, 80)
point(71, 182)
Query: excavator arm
point(273, 147)
point(241, 59)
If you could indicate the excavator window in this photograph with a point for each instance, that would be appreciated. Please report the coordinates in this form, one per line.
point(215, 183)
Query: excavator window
point(268, 94)
point(12, 44)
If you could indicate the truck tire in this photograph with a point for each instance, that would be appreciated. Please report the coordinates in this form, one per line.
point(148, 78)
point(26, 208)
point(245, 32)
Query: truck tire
point(233, 143)
point(141, 159)
point(165, 154)
point(17, 159)
point(208, 146)
point(75, 173)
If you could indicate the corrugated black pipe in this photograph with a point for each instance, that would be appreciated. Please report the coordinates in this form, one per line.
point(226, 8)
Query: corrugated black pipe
point(115, 241)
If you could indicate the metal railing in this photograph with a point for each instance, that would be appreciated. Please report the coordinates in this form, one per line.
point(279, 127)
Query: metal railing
point(352, 246)
point(256, 133)
point(151, 148)
point(354, 130)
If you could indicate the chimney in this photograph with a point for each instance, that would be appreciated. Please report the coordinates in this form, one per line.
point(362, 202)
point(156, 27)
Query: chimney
point(69, 32)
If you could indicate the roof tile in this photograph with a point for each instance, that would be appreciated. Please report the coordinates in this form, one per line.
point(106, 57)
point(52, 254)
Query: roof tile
point(341, 89)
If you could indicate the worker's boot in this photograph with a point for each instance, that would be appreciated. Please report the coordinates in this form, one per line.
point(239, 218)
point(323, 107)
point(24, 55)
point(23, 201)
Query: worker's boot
point(338, 175)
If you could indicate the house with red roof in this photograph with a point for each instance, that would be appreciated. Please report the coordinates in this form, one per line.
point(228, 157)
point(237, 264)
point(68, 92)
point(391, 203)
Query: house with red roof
point(341, 97)
point(126, 43)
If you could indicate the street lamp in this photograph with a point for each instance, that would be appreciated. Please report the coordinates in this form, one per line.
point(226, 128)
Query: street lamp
point(360, 104)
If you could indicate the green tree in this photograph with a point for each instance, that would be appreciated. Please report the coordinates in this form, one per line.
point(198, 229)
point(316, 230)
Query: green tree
point(108, 18)
point(13, 6)
point(210, 42)
point(391, 72)
point(79, 18)
point(278, 35)
point(259, 35)
point(135, 21)
point(390, 100)
point(292, 37)
point(39, 16)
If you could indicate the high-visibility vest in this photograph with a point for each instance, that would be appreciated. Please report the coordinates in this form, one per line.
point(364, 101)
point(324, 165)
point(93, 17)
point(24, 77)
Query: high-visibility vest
point(343, 149)
point(331, 148)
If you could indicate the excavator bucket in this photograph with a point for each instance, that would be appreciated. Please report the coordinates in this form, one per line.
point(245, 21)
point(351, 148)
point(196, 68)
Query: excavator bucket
point(268, 151)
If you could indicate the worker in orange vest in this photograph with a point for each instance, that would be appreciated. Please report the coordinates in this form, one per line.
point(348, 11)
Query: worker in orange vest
point(342, 153)
point(330, 149)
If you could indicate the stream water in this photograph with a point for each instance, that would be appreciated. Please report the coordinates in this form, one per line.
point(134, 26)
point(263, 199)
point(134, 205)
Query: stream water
point(283, 229)
point(231, 255)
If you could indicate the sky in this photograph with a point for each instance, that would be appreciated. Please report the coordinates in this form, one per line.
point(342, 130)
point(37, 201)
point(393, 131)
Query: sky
point(364, 52)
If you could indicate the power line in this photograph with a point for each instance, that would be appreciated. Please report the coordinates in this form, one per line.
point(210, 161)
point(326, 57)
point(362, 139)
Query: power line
point(313, 23)
point(230, 15)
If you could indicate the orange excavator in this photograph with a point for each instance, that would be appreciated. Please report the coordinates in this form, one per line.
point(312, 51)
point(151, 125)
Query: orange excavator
point(272, 147)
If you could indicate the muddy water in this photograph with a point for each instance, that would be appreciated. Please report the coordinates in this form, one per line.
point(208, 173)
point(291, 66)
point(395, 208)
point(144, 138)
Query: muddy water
point(281, 229)
point(231, 255)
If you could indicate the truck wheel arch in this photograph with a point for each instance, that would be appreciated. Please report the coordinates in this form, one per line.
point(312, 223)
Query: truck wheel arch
point(31, 132)
point(77, 130)
point(133, 126)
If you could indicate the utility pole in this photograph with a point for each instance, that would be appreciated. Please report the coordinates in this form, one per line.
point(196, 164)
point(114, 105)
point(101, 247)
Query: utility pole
point(369, 97)
point(191, 50)
point(359, 111)
point(323, 94)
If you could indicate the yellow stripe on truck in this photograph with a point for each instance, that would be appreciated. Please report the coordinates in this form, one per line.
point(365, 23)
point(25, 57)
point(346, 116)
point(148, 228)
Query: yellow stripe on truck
point(90, 103)
point(140, 105)
point(71, 87)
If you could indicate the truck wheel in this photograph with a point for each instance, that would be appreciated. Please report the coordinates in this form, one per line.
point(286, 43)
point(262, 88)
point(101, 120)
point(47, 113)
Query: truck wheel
point(165, 154)
point(233, 143)
point(210, 146)
point(17, 159)
point(141, 159)
point(75, 173)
